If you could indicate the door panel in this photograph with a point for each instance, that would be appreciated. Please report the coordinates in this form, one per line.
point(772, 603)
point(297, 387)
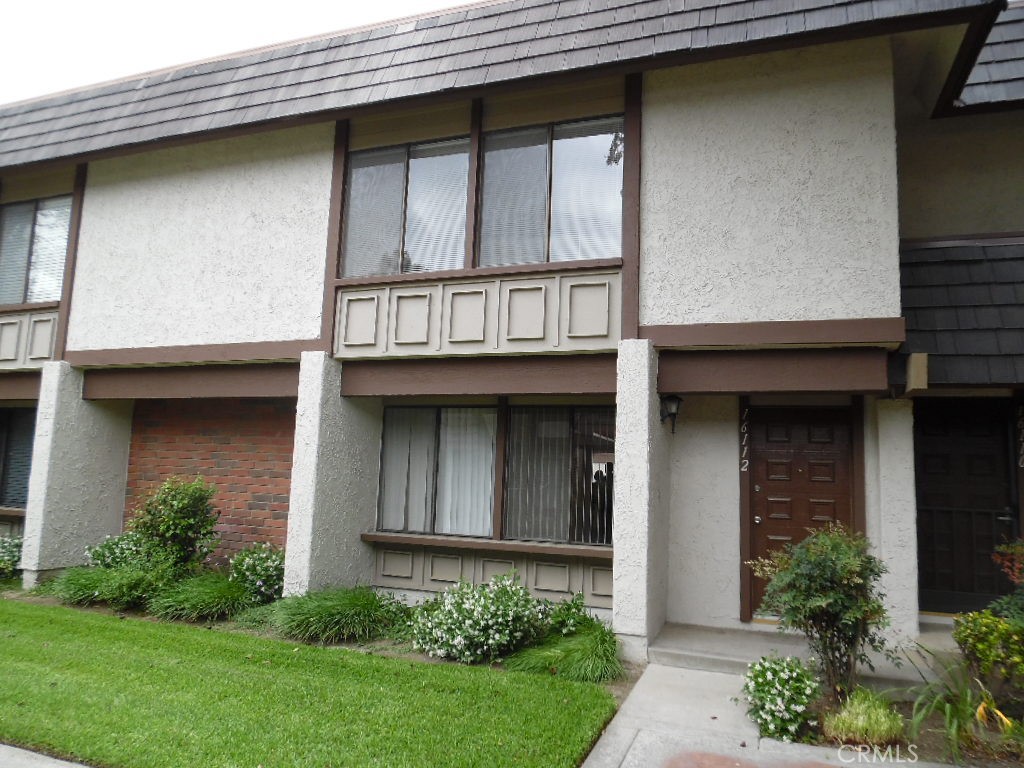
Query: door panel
point(801, 477)
point(966, 504)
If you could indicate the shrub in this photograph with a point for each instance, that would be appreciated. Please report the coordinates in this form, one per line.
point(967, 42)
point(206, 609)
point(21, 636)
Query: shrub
point(781, 693)
point(479, 623)
point(994, 646)
point(1010, 557)
point(591, 655)
point(10, 555)
point(178, 518)
point(260, 570)
point(1010, 607)
point(865, 718)
point(826, 588)
point(569, 616)
point(336, 615)
point(207, 596)
point(129, 549)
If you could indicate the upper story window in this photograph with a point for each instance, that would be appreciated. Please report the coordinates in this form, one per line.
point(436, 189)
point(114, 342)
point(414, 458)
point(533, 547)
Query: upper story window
point(406, 209)
point(546, 194)
point(33, 245)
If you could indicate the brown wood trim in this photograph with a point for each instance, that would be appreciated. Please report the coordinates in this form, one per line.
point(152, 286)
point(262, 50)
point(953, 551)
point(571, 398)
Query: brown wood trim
point(21, 385)
point(947, 241)
point(746, 576)
point(766, 371)
point(39, 306)
point(501, 444)
point(476, 121)
point(203, 353)
point(966, 57)
point(511, 375)
point(481, 272)
point(266, 380)
point(489, 545)
point(1017, 457)
point(338, 169)
point(11, 512)
point(67, 288)
point(883, 331)
point(631, 170)
point(858, 482)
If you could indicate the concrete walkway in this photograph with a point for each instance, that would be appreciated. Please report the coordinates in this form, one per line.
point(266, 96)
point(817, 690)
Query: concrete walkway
point(12, 757)
point(685, 718)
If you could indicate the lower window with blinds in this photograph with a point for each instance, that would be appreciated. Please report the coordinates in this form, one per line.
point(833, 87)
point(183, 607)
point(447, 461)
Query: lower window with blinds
point(17, 431)
point(439, 471)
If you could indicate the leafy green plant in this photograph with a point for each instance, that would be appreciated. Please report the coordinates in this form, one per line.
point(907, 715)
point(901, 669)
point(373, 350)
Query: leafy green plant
point(827, 588)
point(588, 655)
point(178, 518)
point(130, 549)
point(569, 616)
point(951, 693)
point(260, 570)
point(865, 717)
point(209, 595)
point(10, 556)
point(337, 615)
point(781, 693)
point(479, 623)
point(994, 647)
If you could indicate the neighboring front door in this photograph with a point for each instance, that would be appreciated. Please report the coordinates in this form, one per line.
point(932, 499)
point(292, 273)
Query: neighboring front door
point(966, 499)
point(801, 477)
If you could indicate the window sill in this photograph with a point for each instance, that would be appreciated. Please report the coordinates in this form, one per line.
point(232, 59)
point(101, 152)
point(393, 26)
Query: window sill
point(33, 307)
point(451, 274)
point(491, 545)
point(11, 512)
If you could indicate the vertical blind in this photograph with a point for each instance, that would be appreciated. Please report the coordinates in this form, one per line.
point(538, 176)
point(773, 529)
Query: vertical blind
point(18, 426)
point(33, 246)
point(407, 469)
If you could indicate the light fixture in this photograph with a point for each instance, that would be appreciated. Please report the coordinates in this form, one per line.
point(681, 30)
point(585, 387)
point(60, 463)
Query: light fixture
point(670, 409)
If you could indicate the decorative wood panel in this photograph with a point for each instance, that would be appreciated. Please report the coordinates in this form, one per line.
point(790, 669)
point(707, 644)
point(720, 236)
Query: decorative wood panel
point(26, 339)
point(555, 312)
point(433, 570)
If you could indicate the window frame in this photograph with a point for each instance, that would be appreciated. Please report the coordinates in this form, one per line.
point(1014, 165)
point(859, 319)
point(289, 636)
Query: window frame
point(474, 203)
point(500, 469)
point(26, 278)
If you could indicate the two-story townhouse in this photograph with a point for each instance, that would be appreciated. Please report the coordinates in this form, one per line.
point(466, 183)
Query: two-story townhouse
point(606, 292)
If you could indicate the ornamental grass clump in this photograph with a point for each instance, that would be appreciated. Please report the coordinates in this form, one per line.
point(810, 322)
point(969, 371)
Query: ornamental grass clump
point(205, 597)
point(260, 570)
point(781, 694)
point(865, 718)
point(122, 588)
point(827, 588)
point(10, 556)
point(338, 615)
point(588, 655)
point(479, 623)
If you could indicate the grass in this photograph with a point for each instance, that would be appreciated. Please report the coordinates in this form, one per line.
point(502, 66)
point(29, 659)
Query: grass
point(590, 656)
point(337, 615)
point(865, 718)
point(140, 694)
point(209, 595)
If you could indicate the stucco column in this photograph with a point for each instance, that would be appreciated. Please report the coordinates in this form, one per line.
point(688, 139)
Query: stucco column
point(892, 507)
point(79, 469)
point(334, 481)
point(640, 532)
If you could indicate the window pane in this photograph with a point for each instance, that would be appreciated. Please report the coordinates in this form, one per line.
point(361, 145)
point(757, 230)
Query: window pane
point(49, 248)
point(15, 241)
point(593, 473)
point(407, 469)
point(539, 470)
point(435, 222)
point(373, 212)
point(18, 458)
point(586, 191)
point(513, 221)
point(465, 471)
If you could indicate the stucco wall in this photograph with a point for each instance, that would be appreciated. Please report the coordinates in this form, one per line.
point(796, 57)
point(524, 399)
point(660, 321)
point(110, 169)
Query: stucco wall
point(769, 188)
point(210, 243)
point(961, 176)
point(704, 533)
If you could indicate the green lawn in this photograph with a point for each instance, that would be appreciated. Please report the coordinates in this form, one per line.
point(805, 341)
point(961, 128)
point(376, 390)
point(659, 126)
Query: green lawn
point(127, 692)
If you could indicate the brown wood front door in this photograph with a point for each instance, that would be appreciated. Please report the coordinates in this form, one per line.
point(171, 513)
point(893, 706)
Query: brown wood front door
point(966, 499)
point(800, 475)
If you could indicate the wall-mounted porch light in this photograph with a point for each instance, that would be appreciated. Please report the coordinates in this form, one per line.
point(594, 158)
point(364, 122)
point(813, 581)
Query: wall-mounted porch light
point(670, 409)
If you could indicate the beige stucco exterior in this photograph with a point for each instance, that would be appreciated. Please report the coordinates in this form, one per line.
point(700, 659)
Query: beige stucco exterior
point(211, 243)
point(769, 188)
point(961, 175)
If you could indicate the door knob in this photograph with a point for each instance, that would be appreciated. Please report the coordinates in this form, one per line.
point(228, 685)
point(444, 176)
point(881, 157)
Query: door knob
point(757, 519)
point(1005, 519)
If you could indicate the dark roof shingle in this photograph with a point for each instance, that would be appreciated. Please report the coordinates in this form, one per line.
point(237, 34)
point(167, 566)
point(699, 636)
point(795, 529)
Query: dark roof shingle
point(998, 76)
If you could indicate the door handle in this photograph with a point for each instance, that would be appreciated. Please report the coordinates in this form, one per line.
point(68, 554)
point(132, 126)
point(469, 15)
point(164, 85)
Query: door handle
point(757, 519)
point(1005, 519)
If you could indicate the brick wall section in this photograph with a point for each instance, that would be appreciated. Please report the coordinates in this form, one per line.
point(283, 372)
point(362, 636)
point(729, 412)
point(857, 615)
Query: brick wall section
point(243, 446)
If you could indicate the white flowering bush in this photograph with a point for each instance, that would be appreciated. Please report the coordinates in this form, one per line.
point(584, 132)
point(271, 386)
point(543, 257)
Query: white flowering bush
point(260, 569)
point(479, 623)
point(128, 550)
point(780, 693)
point(10, 555)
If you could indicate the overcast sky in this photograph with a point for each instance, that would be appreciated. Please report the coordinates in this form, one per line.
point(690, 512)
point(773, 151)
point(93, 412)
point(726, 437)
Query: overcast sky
point(54, 45)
